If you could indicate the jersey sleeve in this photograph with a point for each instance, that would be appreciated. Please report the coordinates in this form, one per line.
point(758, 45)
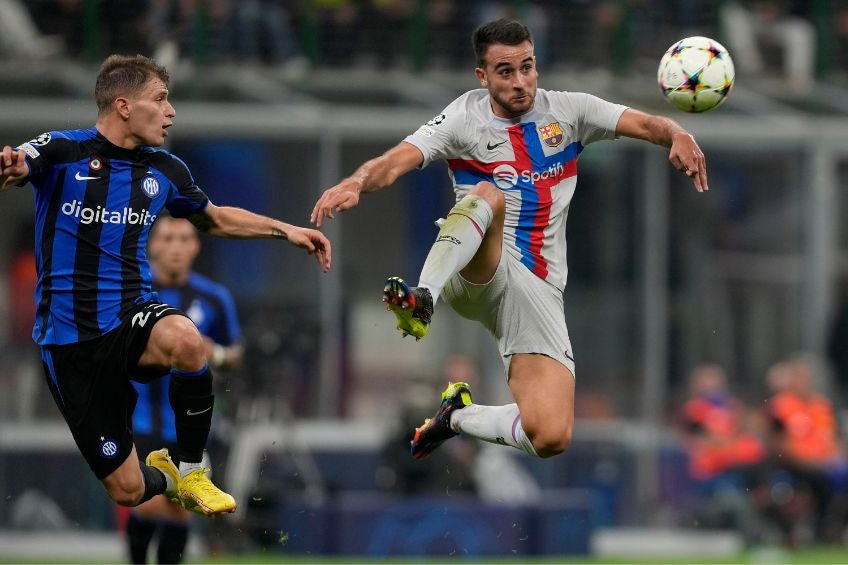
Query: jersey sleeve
point(596, 119)
point(185, 198)
point(440, 137)
point(43, 152)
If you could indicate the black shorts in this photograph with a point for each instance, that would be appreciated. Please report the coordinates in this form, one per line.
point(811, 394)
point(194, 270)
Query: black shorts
point(90, 382)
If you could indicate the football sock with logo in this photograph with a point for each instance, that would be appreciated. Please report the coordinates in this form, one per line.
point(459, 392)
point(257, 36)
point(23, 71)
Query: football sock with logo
point(139, 533)
point(495, 424)
point(173, 537)
point(154, 482)
point(191, 398)
point(457, 242)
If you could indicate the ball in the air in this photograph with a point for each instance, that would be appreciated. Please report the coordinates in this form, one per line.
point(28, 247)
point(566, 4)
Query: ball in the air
point(696, 74)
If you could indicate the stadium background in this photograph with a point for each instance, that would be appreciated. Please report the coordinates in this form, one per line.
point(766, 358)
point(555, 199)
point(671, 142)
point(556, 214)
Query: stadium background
point(275, 102)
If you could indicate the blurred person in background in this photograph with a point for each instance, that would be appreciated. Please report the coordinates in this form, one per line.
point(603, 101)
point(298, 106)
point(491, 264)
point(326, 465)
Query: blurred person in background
point(21, 39)
point(99, 323)
point(805, 444)
point(499, 258)
point(173, 247)
point(754, 28)
point(462, 465)
point(725, 457)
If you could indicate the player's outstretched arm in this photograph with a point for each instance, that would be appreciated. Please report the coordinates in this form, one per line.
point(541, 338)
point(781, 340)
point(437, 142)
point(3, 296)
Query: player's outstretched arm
point(13, 167)
point(237, 223)
point(685, 155)
point(371, 176)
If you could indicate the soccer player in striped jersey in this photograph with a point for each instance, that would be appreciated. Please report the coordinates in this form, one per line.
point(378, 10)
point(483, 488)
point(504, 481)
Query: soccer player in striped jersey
point(173, 247)
point(500, 256)
point(99, 323)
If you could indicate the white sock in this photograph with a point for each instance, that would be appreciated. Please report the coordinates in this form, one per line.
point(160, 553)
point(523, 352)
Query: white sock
point(458, 241)
point(495, 424)
point(186, 468)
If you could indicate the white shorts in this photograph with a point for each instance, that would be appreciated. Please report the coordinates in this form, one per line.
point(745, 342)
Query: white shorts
point(523, 312)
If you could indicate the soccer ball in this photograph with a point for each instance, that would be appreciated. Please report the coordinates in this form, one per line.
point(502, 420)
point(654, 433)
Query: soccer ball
point(696, 74)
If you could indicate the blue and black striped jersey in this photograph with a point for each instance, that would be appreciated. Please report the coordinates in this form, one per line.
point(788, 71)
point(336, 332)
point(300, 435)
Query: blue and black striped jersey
point(94, 205)
point(210, 306)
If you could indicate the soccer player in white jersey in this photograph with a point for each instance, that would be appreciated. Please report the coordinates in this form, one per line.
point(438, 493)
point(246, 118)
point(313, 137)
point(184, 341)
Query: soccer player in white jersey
point(500, 256)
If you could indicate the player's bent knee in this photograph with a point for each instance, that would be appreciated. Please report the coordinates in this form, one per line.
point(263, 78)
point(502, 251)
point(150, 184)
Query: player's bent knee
point(188, 351)
point(551, 442)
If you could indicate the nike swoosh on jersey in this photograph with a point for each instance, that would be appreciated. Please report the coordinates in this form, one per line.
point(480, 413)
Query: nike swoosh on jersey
point(489, 145)
point(78, 176)
point(190, 413)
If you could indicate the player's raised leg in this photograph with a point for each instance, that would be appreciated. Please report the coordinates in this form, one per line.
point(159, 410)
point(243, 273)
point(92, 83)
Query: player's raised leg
point(469, 242)
point(538, 423)
point(132, 484)
point(175, 342)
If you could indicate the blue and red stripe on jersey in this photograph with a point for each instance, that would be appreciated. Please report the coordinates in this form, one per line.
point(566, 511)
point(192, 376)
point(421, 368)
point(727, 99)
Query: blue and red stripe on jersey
point(536, 196)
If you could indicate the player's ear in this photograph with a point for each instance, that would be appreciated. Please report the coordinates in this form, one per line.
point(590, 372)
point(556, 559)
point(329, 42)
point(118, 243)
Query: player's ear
point(481, 76)
point(122, 106)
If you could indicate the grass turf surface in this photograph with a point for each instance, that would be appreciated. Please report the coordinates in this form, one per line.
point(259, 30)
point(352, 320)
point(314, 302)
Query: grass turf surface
point(775, 556)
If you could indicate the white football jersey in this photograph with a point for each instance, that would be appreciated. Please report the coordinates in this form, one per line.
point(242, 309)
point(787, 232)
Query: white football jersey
point(532, 159)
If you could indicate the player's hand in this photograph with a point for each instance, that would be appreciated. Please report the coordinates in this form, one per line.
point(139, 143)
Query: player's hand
point(687, 157)
point(341, 197)
point(315, 243)
point(13, 163)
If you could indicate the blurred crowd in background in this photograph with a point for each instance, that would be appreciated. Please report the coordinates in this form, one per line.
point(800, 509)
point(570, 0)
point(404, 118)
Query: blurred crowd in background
point(797, 40)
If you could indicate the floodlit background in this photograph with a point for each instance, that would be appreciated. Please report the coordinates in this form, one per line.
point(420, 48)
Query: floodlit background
point(277, 100)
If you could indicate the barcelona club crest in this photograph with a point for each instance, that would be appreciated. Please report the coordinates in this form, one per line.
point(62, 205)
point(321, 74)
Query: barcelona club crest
point(551, 134)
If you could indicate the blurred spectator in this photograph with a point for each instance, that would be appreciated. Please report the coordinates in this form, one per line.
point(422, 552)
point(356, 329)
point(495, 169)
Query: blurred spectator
point(19, 36)
point(339, 30)
point(24, 363)
point(755, 30)
point(260, 31)
point(389, 36)
point(448, 25)
point(461, 465)
point(839, 32)
point(805, 444)
point(724, 456)
point(532, 14)
point(446, 471)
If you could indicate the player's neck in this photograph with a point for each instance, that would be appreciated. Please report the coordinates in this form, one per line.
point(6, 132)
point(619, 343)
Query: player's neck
point(115, 133)
point(173, 279)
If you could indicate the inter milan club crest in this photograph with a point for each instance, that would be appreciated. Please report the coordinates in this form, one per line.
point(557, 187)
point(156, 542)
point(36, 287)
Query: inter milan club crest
point(108, 447)
point(551, 134)
point(150, 186)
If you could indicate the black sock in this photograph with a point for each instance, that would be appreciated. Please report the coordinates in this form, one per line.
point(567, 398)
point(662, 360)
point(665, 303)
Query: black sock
point(154, 482)
point(191, 398)
point(139, 534)
point(172, 542)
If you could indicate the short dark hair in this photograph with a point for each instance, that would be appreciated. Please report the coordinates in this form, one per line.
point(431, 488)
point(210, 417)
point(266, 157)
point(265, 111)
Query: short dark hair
point(503, 31)
point(121, 75)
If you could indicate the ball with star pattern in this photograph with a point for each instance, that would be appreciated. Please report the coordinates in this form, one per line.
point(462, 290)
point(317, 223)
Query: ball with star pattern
point(696, 74)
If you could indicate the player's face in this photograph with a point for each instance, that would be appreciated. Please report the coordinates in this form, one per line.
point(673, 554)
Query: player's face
point(174, 246)
point(510, 76)
point(150, 113)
